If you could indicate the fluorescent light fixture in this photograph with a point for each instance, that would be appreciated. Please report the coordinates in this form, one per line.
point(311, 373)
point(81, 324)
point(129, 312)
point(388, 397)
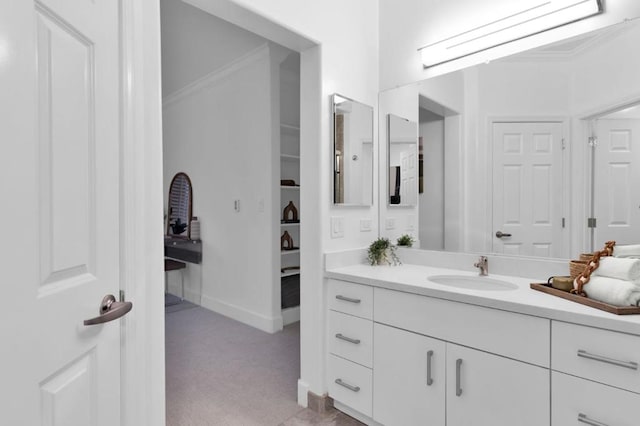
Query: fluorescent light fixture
point(537, 18)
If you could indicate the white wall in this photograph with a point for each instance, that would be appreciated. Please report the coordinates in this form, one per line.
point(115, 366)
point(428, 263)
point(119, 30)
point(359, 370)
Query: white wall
point(407, 26)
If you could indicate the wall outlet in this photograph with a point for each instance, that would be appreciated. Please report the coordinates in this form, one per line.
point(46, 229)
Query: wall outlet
point(365, 225)
point(390, 223)
point(337, 227)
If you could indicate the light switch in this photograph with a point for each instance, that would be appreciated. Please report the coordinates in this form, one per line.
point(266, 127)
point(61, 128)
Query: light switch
point(390, 223)
point(337, 227)
point(365, 225)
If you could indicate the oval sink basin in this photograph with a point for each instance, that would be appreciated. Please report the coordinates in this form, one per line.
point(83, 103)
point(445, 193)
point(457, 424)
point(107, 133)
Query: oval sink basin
point(473, 282)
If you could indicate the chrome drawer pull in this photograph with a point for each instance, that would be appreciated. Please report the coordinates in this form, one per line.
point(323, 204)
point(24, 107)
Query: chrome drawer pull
point(458, 367)
point(429, 378)
point(347, 299)
point(582, 418)
point(348, 386)
point(348, 339)
point(626, 364)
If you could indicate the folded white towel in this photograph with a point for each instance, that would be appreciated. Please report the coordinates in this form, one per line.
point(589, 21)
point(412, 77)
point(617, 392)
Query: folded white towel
point(622, 268)
point(612, 291)
point(632, 250)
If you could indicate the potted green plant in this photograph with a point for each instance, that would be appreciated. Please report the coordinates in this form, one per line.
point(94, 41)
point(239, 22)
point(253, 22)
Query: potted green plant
point(382, 251)
point(405, 240)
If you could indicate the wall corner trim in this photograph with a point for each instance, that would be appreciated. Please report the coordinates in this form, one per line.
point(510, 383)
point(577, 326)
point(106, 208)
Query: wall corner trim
point(257, 54)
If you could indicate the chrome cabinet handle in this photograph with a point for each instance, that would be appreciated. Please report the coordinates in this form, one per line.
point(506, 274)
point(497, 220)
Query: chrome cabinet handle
point(626, 364)
point(347, 299)
point(458, 367)
point(429, 378)
point(582, 418)
point(110, 310)
point(348, 339)
point(348, 386)
point(501, 234)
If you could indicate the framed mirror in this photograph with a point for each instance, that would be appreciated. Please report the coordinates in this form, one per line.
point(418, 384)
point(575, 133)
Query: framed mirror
point(352, 152)
point(538, 150)
point(180, 205)
point(402, 161)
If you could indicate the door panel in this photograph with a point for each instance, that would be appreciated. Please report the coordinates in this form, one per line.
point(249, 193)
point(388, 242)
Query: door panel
point(616, 177)
point(63, 219)
point(527, 182)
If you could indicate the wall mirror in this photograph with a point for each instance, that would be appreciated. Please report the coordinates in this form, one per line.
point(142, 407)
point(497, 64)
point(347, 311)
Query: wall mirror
point(352, 152)
point(402, 161)
point(179, 210)
point(535, 149)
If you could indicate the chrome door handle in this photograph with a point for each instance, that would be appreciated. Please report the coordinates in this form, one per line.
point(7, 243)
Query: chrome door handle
point(348, 386)
point(429, 378)
point(501, 234)
point(348, 339)
point(110, 310)
point(347, 299)
point(582, 418)
point(458, 367)
point(626, 364)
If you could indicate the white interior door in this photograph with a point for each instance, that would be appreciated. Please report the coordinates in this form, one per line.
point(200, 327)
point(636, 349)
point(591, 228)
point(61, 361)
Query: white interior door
point(527, 188)
point(616, 178)
point(59, 62)
point(408, 175)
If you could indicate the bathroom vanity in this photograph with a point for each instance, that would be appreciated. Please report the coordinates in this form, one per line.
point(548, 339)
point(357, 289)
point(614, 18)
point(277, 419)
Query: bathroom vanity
point(404, 350)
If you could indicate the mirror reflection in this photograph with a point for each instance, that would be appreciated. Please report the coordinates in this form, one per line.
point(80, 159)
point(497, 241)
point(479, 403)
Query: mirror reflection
point(353, 152)
point(402, 161)
point(530, 156)
point(179, 210)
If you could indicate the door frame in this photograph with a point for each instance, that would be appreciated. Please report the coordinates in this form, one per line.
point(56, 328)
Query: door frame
point(141, 224)
point(566, 171)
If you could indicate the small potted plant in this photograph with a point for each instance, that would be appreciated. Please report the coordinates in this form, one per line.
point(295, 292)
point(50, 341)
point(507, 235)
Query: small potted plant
point(405, 240)
point(382, 251)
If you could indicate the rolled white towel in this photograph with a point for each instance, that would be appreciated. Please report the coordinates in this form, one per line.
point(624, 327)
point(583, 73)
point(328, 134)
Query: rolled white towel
point(612, 291)
point(622, 268)
point(631, 250)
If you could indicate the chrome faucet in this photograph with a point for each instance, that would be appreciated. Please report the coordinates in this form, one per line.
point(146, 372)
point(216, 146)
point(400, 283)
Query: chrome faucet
point(483, 264)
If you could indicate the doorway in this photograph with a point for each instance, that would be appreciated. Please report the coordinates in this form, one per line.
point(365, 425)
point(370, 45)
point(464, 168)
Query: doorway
point(231, 121)
point(615, 173)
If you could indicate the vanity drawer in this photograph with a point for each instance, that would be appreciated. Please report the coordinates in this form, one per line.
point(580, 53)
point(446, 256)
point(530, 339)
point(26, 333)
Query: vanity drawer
point(576, 401)
point(350, 298)
point(351, 338)
point(604, 356)
point(512, 335)
point(350, 384)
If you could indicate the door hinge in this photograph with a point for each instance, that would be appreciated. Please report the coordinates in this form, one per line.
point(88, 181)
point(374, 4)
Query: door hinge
point(593, 141)
point(591, 222)
point(122, 299)
point(564, 144)
point(563, 222)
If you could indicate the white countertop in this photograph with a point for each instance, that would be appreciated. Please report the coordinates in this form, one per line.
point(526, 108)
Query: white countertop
point(414, 279)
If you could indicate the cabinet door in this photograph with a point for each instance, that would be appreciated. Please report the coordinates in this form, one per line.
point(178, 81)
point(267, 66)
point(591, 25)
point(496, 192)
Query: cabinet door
point(408, 377)
point(486, 389)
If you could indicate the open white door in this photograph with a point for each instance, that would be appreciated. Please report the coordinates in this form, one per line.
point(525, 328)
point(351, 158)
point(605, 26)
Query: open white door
point(527, 185)
point(59, 80)
point(616, 179)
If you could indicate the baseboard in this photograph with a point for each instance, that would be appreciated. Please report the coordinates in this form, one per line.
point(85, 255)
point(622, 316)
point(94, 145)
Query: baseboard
point(303, 392)
point(269, 325)
point(355, 414)
point(290, 315)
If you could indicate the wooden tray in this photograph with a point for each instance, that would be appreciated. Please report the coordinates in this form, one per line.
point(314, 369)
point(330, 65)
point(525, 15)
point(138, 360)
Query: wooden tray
point(618, 310)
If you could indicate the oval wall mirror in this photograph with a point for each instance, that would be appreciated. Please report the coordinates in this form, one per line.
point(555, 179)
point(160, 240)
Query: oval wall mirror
point(180, 206)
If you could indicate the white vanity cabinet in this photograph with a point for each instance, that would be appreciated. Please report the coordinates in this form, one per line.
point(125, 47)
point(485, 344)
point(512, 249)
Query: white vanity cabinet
point(596, 376)
point(420, 379)
point(486, 389)
point(409, 378)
